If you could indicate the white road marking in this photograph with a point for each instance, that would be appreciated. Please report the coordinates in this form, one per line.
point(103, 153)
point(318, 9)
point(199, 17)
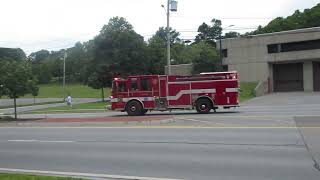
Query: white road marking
point(202, 121)
point(282, 121)
point(77, 174)
point(288, 120)
point(18, 140)
point(42, 141)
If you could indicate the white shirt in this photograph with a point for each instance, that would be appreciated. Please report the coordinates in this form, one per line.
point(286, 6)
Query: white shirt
point(69, 99)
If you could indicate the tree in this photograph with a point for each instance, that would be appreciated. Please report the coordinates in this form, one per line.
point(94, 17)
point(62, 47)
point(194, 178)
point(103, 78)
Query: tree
point(177, 54)
point(32, 85)
point(15, 54)
point(156, 55)
point(79, 58)
point(39, 55)
point(187, 53)
point(204, 31)
point(119, 49)
point(306, 19)
point(43, 65)
point(162, 33)
point(232, 34)
point(156, 50)
point(15, 78)
point(209, 33)
point(42, 70)
point(2, 89)
point(206, 60)
point(99, 80)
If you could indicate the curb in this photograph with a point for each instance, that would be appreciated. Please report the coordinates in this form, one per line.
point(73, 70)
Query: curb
point(80, 175)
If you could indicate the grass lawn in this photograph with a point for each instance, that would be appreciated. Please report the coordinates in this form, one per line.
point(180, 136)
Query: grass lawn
point(247, 90)
point(76, 91)
point(7, 176)
point(85, 107)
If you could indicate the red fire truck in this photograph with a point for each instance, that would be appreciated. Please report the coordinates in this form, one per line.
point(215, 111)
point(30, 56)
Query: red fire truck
point(138, 94)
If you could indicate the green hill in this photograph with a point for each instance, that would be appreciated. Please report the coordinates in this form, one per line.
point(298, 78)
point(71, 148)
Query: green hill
point(16, 54)
point(298, 20)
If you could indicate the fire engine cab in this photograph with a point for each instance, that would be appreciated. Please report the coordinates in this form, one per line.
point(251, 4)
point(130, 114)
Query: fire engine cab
point(203, 92)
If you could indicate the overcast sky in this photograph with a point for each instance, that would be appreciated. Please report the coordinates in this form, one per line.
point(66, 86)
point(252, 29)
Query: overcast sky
point(55, 24)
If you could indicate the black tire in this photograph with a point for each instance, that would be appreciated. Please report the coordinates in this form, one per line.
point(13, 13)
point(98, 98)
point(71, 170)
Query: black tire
point(203, 106)
point(134, 108)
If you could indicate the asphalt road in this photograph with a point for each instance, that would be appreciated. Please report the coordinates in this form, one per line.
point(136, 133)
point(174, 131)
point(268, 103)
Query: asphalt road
point(260, 140)
point(165, 153)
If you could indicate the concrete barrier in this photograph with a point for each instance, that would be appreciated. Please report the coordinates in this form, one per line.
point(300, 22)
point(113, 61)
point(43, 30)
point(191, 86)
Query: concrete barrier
point(261, 89)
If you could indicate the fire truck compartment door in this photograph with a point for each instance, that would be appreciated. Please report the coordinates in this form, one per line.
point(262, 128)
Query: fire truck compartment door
point(161, 102)
point(163, 87)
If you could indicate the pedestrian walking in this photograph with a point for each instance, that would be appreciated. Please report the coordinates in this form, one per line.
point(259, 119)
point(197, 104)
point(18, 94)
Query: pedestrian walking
point(69, 101)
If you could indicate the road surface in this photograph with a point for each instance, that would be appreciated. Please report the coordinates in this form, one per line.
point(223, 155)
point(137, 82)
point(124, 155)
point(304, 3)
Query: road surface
point(260, 140)
point(228, 153)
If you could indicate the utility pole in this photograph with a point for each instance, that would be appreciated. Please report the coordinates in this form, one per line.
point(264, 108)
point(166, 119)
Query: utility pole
point(168, 37)
point(64, 74)
point(171, 6)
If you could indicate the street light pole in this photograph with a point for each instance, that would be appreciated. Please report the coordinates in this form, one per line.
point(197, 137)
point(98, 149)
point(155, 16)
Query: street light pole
point(168, 37)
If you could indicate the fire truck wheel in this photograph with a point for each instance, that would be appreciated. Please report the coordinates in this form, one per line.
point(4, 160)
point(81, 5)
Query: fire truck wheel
point(203, 106)
point(134, 108)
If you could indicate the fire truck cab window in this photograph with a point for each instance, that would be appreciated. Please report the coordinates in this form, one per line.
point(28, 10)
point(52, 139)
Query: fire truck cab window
point(134, 85)
point(145, 84)
point(114, 85)
point(121, 87)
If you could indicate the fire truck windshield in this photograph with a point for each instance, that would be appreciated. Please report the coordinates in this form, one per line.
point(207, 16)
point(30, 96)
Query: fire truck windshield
point(118, 86)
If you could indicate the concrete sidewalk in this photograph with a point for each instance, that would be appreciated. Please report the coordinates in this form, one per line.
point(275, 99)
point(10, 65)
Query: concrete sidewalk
point(36, 107)
point(24, 101)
